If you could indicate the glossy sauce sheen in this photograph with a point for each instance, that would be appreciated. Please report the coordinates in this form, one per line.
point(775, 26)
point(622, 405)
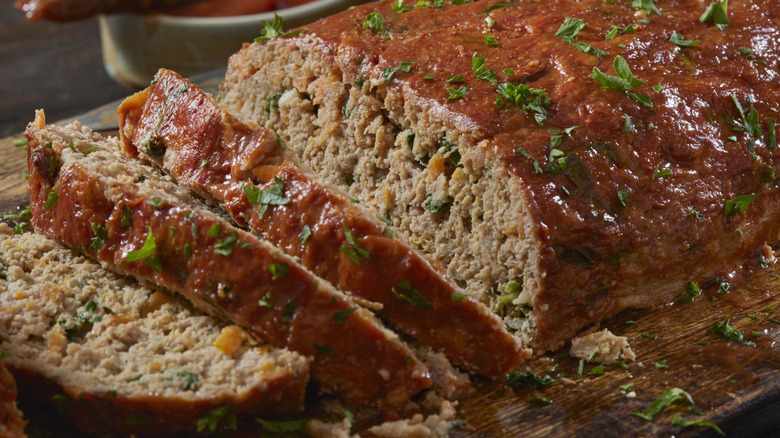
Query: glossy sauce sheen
point(600, 256)
point(353, 355)
point(190, 124)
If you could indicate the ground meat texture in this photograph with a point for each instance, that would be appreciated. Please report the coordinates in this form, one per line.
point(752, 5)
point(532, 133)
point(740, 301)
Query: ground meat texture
point(221, 269)
point(610, 227)
point(212, 152)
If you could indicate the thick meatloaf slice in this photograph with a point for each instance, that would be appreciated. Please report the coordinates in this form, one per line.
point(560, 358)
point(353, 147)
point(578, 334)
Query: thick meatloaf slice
point(86, 193)
point(179, 127)
point(565, 160)
point(11, 421)
point(118, 351)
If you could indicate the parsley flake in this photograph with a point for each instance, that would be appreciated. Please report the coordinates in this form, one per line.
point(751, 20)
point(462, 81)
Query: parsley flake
point(739, 204)
point(413, 296)
point(716, 13)
point(274, 29)
point(678, 39)
point(388, 73)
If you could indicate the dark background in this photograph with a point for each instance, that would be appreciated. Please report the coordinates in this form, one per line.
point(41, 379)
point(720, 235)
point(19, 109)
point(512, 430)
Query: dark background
point(54, 66)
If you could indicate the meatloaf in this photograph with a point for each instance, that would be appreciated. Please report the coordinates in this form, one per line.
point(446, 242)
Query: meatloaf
point(122, 359)
point(11, 421)
point(85, 193)
point(179, 127)
point(563, 160)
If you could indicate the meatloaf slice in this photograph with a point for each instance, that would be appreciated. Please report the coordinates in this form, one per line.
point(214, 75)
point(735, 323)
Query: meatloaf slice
point(85, 193)
point(128, 359)
point(11, 421)
point(565, 160)
point(178, 126)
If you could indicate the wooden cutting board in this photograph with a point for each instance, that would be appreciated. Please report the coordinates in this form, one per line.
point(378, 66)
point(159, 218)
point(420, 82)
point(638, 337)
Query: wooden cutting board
point(737, 387)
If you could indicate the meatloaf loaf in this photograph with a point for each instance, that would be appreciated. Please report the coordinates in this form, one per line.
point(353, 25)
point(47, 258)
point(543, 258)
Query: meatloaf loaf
point(124, 359)
point(85, 193)
point(179, 127)
point(564, 160)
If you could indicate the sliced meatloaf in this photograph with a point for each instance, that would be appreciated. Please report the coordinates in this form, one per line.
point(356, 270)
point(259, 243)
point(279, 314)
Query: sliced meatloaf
point(123, 358)
point(11, 421)
point(563, 160)
point(86, 193)
point(176, 125)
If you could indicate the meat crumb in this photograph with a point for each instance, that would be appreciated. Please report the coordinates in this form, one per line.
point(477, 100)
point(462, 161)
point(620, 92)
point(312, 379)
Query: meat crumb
point(436, 425)
point(602, 347)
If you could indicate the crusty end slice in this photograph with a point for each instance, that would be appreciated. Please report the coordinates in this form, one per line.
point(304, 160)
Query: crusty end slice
point(126, 358)
point(122, 213)
point(180, 127)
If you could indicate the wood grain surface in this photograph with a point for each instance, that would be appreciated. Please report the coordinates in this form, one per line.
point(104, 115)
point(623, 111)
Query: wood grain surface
point(737, 387)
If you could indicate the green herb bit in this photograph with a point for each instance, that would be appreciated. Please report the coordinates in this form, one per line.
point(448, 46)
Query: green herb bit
point(353, 251)
point(522, 152)
point(513, 290)
point(24, 214)
point(156, 202)
point(658, 88)
point(388, 73)
point(212, 418)
point(628, 387)
point(225, 247)
point(490, 40)
point(716, 13)
point(668, 397)
point(750, 124)
point(694, 214)
point(679, 40)
point(725, 331)
point(682, 422)
point(480, 70)
point(215, 230)
point(529, 99)
point(529, 378)
point(622, 196)
point(581, 367)
point(457, 297)
point(289, 312)
point(429, 77)
point(556, 161)
point(274, 29)
point(646, 6)
point(278, 270)
point(190, 380)
point(665, 174)
point(739, 204)
point(146, 252)
point(100, 235)
point(590, 49)
point(266, 300)
point(305, 234)
point(771, 142)
point(341, 315)
point(458, 78)
point(50, 200)
point(21, 142)
point(597, 370)
point(649, 336)
point(624, 81)
point(570, 28)
point(19, 228)
point(661, 365)
point(540, 400)
point(325, 349)
point(413, 296)
point(374, 21)
point(455, 94)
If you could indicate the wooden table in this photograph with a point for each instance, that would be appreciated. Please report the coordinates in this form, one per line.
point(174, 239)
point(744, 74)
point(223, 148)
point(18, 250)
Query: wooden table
point(58, 67)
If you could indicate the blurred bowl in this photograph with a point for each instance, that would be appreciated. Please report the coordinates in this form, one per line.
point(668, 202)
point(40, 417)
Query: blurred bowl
point(136, 46)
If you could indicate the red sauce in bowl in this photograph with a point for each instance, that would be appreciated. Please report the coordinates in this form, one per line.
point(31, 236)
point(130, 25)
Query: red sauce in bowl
point(229, 8)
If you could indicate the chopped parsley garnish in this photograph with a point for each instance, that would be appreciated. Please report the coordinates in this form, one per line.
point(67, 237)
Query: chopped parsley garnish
point(288, 427)
point(429, 77)
point(747, 51)
point(678, 39)
point(628, 388)
point(374, 21)
point(627, 125)
point(589, 48)
point(646, 6)
point(556, 161)
point(190, 380)
point(325, 349)
point(278, 270)
point(694, 214)
point(597, 370)
point(412, 296)
point(24, 214)
point(188, 250)
point(305, 234)
point(570, 28)
point(665, 174)
point(100, 235)
point(457, 297)
point(353, 251)
point(289, 312)
point(522, 152)
point(716, 13)
point(266, 300)
point(212, 418)
point(273, 30)
point(156, 202)
point(529, 99)
point(126, 219)
point(724, 330)
point(458, 78)
point(540, 400)
point(750, 124)
point(215, 230)
point(668, 397)
point(649, 336)
point(661, 365)
point(480, 70)
point(146, 252)
point(341, 315)
point(388, 73)
point(271, 195)
point(50, 200)
point(225, 246)
point(682, 422)
point(456, 93)
point(529, 378)
point(490, 40)
point(615, 30)
point(622, 196)
point(624, 81)
point(739, 204)
point(691, 290)
point(771, 142)
point(435, 207)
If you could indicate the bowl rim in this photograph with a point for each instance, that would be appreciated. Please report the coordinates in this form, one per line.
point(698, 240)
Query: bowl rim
point(291, 13)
